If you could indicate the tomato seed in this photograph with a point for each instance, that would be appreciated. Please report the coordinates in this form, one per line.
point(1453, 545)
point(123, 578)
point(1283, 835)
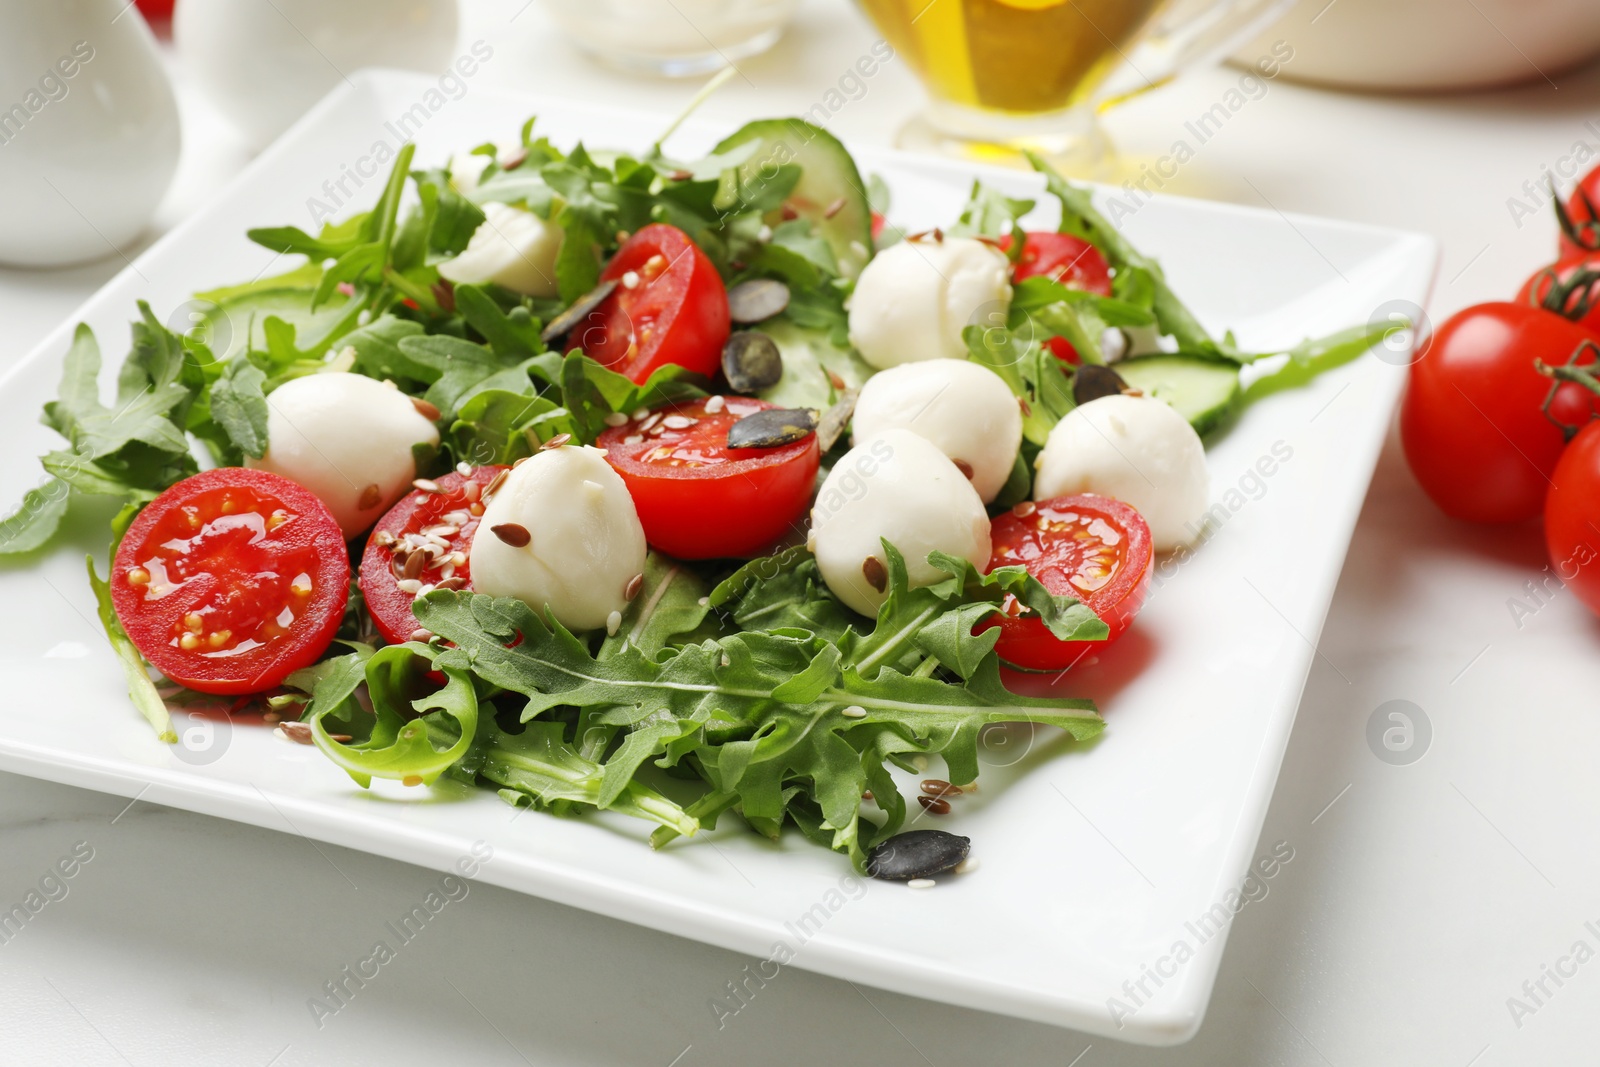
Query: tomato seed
point(514, 534)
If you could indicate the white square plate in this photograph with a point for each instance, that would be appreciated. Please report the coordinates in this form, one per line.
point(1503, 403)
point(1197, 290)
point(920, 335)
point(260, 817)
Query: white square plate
point(1097, 861)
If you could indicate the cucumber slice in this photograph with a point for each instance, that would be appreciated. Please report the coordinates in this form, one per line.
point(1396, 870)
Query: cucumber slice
point(1204, 391)
point(809, 362)
point(828, 176)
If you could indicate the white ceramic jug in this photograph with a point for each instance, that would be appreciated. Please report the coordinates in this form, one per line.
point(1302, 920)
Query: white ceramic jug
point(265, 62)
point(88, 130)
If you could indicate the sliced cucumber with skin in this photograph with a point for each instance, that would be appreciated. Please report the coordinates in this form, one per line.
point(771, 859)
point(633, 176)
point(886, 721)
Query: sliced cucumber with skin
point(828, 177)
point(1204, 391)
point(810, 362)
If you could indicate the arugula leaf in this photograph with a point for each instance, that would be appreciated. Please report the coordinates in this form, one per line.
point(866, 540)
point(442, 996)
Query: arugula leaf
point(398, 743)
point(239, 406)
point(1079, 217)
point(782, 592)
point(671, 602)
point(141, 690)
point(36, 519)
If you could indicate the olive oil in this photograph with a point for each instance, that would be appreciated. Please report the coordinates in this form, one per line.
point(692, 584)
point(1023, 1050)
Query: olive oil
point(1024, 56)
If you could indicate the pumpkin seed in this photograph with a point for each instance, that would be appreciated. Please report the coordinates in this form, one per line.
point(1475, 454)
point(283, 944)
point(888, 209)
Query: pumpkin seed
point(832, 425)
point(751, 361)
point(569, 319)
point(757, 300)
point(1093, 381)
point(917, 854)
point(772, 427)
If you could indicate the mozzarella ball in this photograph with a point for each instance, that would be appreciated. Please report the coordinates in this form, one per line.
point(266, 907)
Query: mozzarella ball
point(466, 170)
point(513, 247)
point(1138, 450)
point(895, 486)
point(914, 298)
point(347, 438)
point(964, 409)
point(584, 544)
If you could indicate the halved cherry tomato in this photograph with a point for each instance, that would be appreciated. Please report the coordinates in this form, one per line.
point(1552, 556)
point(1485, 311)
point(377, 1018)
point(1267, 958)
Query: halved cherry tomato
point(1472, 423)
point(1091, 547)
point(675, 310)
point(1572, 517)
point(231, 580)
point(1537, 289)
point(1075, 263)
point(699, 499)
point(433, 529)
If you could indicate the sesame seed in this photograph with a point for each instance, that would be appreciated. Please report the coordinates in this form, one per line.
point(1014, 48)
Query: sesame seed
point(426, 485)
point(441, 531)
point(557, 441)
point(966, 866)
point(613, 623)
point(424, 636)
point(630, 280)
point(649, 422)
point(425, 589)
point(425, 409)
point(632, 439)
point(464, 469)
point(494, 486)
point(921, 883)
point(409, 585)
point(455, 518)
point(458, 559)
point(616, 418)
point(514, 534)
point(678, 422)
point(715, 404)
point(383, 538)
point(854, 711)
point(641, 414)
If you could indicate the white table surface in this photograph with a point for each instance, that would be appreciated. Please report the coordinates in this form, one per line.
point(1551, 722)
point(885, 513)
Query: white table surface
point(1420, 897)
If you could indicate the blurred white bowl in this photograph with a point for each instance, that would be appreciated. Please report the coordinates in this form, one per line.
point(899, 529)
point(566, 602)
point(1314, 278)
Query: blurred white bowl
point(1432, 44)
point(265, 62)
point(88, 131)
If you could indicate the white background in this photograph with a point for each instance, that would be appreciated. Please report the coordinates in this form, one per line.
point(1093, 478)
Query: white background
point(1419, 899)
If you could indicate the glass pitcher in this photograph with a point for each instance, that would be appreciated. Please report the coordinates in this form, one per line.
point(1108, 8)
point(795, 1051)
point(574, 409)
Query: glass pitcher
point(1007, 75)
